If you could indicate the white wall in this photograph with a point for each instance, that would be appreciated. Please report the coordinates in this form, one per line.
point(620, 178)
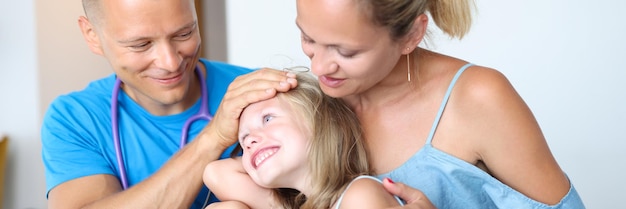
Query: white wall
point(42, 55)
point(564, 57)
point(263, 34)
point(18, 109)
point(65, 62)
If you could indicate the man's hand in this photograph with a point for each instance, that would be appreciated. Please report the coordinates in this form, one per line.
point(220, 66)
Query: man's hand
point(246, 89)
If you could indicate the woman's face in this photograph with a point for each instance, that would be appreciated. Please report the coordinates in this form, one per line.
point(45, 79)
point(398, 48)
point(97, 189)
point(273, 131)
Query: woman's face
point(274, 139)
point(348, 53)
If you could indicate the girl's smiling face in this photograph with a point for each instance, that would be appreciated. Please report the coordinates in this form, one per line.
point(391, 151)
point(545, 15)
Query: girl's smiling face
point(275, 144)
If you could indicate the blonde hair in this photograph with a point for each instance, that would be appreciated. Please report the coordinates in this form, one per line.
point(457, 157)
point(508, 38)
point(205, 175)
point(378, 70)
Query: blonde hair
point(453, 17)
point(337, 152)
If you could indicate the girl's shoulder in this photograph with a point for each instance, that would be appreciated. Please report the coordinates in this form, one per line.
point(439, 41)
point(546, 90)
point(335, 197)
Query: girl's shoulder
point(366, 192)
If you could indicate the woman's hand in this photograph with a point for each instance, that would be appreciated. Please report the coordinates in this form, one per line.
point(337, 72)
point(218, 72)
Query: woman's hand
point(246, 89)
point(414, 198)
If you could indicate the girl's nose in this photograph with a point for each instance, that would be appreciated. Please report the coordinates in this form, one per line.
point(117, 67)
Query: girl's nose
point(251, 141)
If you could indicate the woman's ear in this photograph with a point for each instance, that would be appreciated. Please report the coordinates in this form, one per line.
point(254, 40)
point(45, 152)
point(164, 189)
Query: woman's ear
point(90, 35)
point(417, 33)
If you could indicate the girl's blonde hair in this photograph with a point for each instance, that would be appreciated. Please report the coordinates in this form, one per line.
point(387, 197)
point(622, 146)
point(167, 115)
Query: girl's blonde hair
point(337, 152)
point(453, 17)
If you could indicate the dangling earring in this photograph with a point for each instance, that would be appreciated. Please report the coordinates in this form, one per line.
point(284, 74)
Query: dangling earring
point(408, 65)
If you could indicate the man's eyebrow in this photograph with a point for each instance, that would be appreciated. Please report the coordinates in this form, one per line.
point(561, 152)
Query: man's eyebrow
point(185, 27)
point(188, 26)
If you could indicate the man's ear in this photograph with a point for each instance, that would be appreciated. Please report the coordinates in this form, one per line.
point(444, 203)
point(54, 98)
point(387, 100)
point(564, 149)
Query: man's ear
point(90, 35)
point(417, 33)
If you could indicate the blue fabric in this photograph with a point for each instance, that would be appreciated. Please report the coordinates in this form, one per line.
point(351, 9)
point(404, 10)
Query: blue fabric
point(450, 182)
point(77, 139)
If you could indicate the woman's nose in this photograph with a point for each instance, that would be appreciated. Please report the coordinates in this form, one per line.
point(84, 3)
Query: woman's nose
point(322, 63)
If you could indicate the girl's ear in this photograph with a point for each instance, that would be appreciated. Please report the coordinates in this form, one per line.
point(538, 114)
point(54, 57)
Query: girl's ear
point(417, 33)
point(90, 35)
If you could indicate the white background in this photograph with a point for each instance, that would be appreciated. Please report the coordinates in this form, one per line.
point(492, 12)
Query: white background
point(566, 59)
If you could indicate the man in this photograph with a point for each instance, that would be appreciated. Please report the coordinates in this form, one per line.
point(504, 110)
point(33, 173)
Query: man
point(152, 46)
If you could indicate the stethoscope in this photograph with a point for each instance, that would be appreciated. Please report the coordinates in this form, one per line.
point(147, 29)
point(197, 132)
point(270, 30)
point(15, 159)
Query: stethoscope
point(203, 114)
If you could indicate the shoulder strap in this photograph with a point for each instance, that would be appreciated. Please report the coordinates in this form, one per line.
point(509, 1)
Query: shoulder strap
point(444, 102)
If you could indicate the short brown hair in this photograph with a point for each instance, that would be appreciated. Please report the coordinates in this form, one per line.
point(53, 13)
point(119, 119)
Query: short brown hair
point(93, 11)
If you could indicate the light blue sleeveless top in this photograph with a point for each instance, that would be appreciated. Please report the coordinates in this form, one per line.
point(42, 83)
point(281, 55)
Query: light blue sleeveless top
point(450, 182)
point(357, 178)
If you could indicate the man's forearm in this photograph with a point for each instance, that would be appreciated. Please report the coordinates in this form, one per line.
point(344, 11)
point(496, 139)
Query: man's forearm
point(175, 185)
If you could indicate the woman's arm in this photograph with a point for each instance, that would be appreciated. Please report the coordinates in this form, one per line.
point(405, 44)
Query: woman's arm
point(506, 137)
point(229, 182)
point(503, 137)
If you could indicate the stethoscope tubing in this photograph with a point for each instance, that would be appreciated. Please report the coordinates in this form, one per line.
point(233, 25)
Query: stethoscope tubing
point(116, 132)
point(203, 113)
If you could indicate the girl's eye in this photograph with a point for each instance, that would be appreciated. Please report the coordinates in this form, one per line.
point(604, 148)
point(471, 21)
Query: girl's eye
point(267, 118)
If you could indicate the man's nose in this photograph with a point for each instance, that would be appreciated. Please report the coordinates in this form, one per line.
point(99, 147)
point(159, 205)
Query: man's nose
point(168, 57)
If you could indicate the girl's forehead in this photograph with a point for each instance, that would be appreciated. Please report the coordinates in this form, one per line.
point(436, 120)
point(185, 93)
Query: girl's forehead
point(274, 106)
point(259, 106)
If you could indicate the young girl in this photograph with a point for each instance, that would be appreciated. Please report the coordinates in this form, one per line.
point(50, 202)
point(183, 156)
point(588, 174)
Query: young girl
point(305, 145)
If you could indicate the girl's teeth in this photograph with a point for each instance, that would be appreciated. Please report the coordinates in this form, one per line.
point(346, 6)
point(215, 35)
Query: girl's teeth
point(262, 157)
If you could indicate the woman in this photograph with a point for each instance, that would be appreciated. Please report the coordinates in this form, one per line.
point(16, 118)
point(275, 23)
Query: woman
point(457, 132)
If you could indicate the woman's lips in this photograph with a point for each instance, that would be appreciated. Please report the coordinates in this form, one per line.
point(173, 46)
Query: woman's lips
point(331, 82)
